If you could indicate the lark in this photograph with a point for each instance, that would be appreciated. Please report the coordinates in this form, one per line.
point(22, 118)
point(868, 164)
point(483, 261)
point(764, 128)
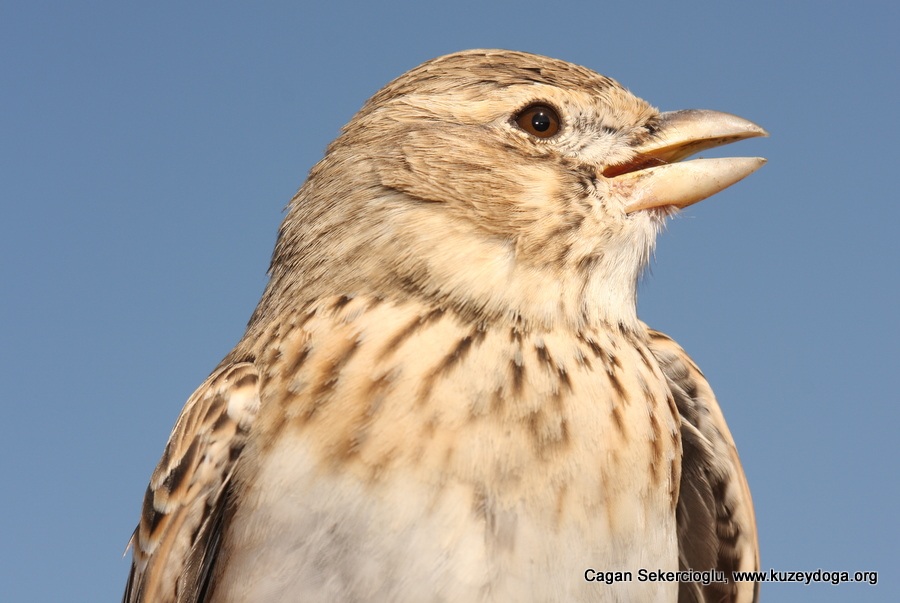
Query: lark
point(445, 393)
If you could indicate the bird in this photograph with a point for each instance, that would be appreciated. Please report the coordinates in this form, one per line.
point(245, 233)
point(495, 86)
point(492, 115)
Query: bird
point(445, 392)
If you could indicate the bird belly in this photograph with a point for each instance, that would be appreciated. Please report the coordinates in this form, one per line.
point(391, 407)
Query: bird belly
point(308, 536)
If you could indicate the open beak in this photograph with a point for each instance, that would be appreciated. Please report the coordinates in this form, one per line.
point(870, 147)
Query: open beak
point(654, 178)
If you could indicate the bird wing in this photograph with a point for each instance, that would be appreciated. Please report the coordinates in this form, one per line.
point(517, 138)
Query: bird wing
point(176, 541)
point(715, 519)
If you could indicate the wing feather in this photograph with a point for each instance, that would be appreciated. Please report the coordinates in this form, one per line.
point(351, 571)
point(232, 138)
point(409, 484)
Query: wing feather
point(716, 523)
point(176, 540)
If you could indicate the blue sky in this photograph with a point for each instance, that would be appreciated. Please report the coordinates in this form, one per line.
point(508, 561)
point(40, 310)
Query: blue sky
point(148, 151)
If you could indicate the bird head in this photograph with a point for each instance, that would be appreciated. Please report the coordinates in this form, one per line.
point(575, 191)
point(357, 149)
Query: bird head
point(500, 184)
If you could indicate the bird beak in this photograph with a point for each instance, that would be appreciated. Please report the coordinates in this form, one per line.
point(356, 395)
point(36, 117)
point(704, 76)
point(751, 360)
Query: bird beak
point(654, 178)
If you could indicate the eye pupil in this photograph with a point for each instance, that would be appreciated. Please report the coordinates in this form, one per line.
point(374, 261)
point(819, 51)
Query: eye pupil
point(541, 121)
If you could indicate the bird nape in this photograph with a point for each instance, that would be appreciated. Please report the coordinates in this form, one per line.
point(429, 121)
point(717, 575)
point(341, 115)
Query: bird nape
point(445, 393)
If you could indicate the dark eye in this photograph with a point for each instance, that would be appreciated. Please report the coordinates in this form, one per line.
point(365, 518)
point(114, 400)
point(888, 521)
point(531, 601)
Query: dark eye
point(539, 120)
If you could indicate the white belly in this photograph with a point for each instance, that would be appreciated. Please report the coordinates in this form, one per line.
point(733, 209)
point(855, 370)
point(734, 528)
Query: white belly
point(305, 536)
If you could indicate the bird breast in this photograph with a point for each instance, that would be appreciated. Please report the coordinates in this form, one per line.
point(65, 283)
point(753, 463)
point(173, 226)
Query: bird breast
point(508, 452)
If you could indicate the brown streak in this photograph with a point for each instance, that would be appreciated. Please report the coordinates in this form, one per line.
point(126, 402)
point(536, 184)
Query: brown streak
point(408, 331)
point(247, 380)
point(617, 385)
point(342, 301)
point(298, 360)
point(656, 453)
point(544, 355)
point(325, 387)
point(617, 417)
point(359, 428)
point(518, 375)
point(593, 345)
point(453, 358)
point(644, 357)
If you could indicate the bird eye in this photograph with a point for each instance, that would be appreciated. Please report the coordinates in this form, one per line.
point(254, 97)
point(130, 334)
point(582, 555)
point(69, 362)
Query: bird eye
point(539, 120)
